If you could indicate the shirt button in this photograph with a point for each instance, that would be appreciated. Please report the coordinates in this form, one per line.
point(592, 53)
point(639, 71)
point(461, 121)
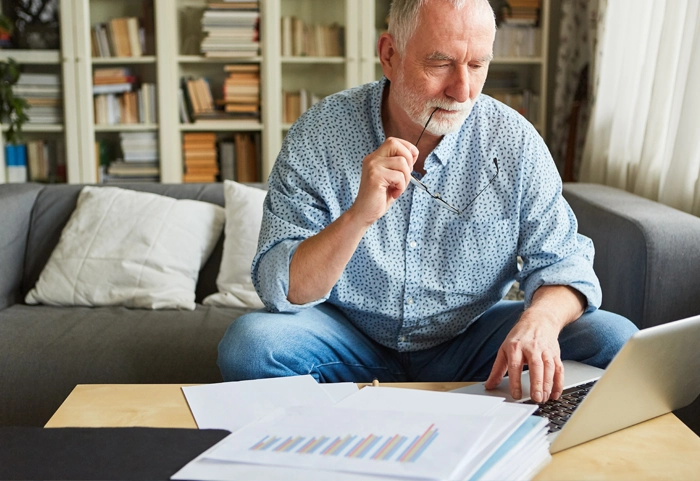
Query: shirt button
point(409, 301)
point(402, 339)
point(412, 244)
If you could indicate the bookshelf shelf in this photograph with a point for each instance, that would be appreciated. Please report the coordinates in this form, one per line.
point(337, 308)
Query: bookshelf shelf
point(195, 59)
point(37, 128)
point(126, 128)
point(146, 59)
point(29, 57)
point(312, 60)
point(222, 126)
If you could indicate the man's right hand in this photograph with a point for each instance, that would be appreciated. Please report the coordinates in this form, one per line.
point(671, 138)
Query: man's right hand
point(386, 173)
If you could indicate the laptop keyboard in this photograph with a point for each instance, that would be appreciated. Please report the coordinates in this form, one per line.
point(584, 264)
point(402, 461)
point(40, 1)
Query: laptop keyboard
point(559, 411)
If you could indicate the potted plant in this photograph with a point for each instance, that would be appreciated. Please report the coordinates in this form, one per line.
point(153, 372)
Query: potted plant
point(13, 110)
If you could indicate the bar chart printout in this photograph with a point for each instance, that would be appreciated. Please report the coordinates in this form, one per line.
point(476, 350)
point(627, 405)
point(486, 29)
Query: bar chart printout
point(373, 442)
point(377, 448)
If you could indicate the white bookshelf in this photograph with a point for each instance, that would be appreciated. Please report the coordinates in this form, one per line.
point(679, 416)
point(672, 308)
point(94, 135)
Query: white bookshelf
point(53, 61)
point(176, 21)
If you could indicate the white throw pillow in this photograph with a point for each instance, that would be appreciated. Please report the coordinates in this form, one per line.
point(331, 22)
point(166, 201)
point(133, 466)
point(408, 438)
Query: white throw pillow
point(244, 210)
point(127, 248)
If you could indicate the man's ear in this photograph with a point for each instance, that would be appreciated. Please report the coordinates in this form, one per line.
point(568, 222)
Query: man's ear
point(388, 55)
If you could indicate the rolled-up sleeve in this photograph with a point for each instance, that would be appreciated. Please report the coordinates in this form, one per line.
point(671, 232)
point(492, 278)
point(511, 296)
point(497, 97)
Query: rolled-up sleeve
point(553, 251)
point(291, 214)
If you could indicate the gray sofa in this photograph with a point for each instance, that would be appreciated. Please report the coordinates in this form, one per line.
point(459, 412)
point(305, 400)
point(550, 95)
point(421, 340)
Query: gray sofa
point(45, 351)
point(647, 260)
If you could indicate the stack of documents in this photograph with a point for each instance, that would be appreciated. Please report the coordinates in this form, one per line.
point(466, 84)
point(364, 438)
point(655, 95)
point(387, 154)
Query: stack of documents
point(293, 428)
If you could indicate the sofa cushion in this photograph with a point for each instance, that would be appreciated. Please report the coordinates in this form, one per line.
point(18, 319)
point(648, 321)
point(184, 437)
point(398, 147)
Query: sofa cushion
point(55, 204)
point(128, 248)
point(45, 351)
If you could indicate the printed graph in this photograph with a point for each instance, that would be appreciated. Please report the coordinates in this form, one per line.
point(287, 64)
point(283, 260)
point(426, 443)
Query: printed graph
point(373, 447)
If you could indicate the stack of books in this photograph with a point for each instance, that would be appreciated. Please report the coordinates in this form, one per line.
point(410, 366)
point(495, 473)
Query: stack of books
point(521, 12)
point(242, 91)
point(120, 37)
point(43, 94)
point(517, 41)
point(296, 103)
point(16, 163)
point(46, 161)
point(197, 102)
point(231, 29)
point(199, 152)
point(246, 157)
point(140, 159)
point(299, 39)
point(118, 101)
point(519, 34)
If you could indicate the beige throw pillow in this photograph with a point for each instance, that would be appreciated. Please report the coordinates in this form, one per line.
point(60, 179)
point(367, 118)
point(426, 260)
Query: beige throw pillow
point(244, 210)
point(126, 248)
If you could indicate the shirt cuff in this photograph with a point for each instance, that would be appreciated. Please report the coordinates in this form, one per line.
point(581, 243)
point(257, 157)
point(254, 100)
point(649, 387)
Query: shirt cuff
point(561, 274)
point(272, 279)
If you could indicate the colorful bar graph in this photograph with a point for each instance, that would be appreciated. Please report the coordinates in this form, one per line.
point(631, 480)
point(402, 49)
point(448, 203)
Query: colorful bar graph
point(363, 446)
point(289, 444)
point(264, 443)
point(337, 446)
point(313, 444)
point(416, 448)
point(387, 450)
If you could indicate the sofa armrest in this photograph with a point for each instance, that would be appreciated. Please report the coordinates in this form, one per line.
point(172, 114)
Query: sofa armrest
point(647, 256)
point(16, 203)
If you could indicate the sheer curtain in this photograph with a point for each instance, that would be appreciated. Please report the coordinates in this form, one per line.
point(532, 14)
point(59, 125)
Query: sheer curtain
point(644, 132)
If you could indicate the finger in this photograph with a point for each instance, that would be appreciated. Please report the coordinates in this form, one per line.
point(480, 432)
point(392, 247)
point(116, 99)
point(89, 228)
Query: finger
point(398, 164)
point(536, 377)
point(558, 382)
point(378, 167)
point(547, 377)
point(396, 182)
point(500, 366)
point(515, 370)
point(401, 148)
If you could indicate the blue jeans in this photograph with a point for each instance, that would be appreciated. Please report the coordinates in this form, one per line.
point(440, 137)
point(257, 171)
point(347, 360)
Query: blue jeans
point(320, 341)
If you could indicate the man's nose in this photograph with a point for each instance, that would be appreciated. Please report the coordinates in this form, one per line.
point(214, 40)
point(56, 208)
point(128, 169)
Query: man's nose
point(458, 87)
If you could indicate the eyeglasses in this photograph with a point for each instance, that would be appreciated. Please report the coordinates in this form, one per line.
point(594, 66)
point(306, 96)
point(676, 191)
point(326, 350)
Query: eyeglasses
point(437, 196)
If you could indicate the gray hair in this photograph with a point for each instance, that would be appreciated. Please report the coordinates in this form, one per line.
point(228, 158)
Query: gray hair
point(403, 18)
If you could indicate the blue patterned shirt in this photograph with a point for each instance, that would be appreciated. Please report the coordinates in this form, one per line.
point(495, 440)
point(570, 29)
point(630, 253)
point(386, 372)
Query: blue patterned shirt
point(421, 273)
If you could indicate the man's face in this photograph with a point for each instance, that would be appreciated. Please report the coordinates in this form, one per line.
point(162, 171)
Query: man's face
point(445, 64)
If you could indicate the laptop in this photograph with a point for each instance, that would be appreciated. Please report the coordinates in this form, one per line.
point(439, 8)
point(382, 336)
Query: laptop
point(655, 372)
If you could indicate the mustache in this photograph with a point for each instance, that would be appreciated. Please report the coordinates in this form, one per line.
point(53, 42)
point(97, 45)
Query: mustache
point(448, 105)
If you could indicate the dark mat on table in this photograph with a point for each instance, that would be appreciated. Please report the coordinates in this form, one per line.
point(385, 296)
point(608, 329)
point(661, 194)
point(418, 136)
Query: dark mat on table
point(100, 453)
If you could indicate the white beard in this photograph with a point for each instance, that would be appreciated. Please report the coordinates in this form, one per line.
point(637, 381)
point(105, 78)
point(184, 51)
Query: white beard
point(419, 110)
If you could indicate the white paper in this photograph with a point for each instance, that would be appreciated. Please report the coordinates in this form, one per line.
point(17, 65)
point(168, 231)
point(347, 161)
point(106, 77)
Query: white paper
point(232, 405)
point(414, 400)
point(425, 445)
point(506, 417)
point(339, 390)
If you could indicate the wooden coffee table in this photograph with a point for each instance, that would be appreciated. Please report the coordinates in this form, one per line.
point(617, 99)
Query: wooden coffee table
point(661, 448)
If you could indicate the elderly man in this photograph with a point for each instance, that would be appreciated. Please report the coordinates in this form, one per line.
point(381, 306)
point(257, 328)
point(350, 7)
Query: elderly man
point(393, 223)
